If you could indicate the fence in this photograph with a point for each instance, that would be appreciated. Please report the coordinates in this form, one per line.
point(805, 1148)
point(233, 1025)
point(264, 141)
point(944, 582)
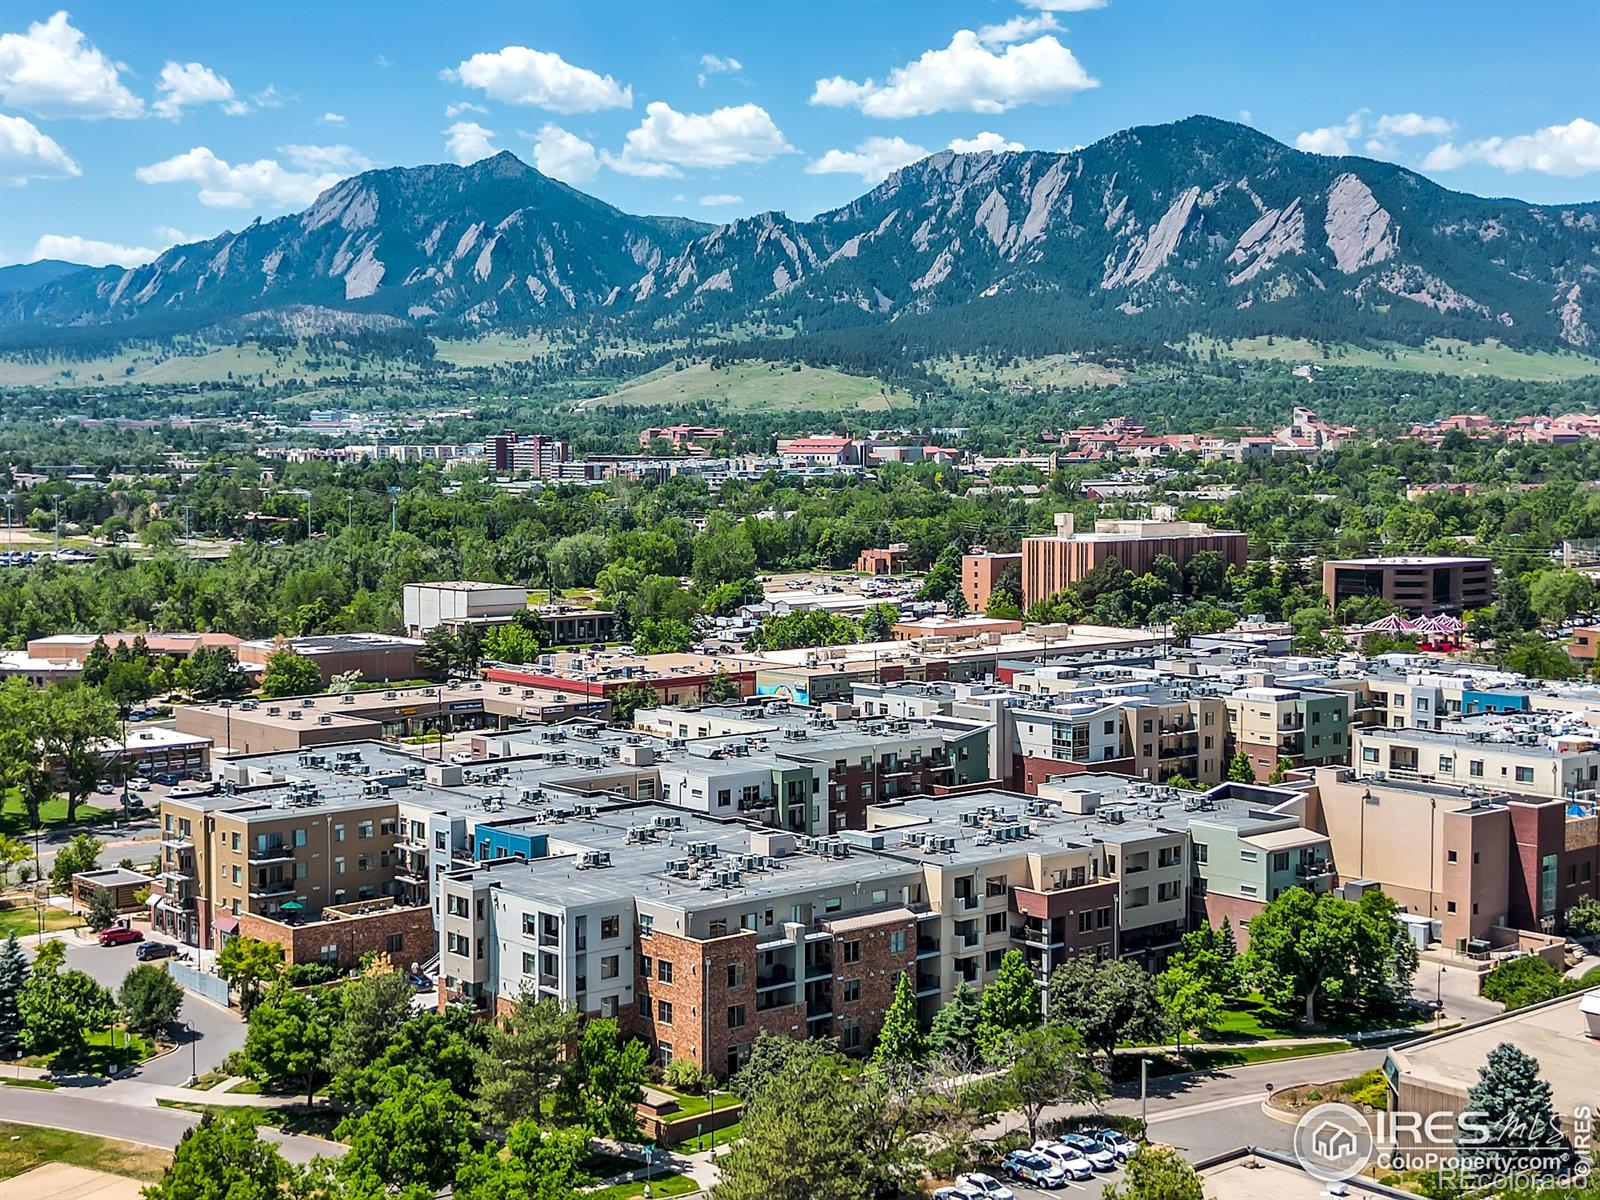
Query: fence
point(208, 987)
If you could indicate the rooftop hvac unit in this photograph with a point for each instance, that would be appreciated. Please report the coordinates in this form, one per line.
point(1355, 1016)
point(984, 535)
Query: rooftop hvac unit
point(308, 702)
point(348, 699)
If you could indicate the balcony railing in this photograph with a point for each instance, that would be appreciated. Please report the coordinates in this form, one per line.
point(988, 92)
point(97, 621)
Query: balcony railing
point(776, 976)
point(820, 967)
point(927, 946)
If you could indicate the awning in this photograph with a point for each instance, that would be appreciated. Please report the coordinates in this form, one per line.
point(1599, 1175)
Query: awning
point(290, 906)
point(227, 924)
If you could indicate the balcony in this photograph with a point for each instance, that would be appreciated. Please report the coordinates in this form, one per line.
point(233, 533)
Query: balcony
point(267, 888)
point(1036, 936)
point(546, 980)
point(774, 976)
point(820, 967)
point(927, 982)
point(1315, 869)
point(819, 1008)
point(767, 1001)
point(927, 946)
point(968, 902)
point(182, 842)
point(274, 853)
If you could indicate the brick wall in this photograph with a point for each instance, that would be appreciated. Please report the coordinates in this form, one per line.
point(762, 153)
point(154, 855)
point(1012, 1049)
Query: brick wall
point(354, 936)
point(877, 970)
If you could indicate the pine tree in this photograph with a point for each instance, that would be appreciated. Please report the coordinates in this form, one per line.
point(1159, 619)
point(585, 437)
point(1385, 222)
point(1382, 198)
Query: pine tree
point(900, 1042)
point(1516, 1121)
point(1007, 1006)
point(955, 1026)
point(13, 974)
point(1230, 959)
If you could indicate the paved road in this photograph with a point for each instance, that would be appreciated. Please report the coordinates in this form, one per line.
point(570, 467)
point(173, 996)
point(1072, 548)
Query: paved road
point(220, 1031)
point(70, 1108)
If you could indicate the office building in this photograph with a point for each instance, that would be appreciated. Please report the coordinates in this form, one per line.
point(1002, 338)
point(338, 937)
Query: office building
point(980, 571)
point(1421, 586)
point(1053, 564)
point(454, 603)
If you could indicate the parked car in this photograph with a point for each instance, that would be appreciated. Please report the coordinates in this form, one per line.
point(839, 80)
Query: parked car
point(167, 779)
point(958, 1192)
point(1028, 1167)
point(150, 950)
point(986, 1186)
point(1099, 1157)
point(138, 785)
point(1072, 1164)
point(1119, 1143)
point(106, 788)
point(120, 935)
point(461, 757)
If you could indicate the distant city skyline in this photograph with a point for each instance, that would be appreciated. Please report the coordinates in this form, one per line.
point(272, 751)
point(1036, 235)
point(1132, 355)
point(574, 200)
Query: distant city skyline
point(127, 128)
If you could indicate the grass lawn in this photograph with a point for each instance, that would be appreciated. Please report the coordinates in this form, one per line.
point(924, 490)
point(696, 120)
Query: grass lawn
point(25, 920)
point(1169, 1063)
point(315, 1122)
point(692, 1104)
point(44, 1085)
point(756, 387)
point(723, 1137)
point(246, 1087)
point(1443, 355)
point(1252, 1019)
point(23, 1147)
point(107, 1051)
point(52, 815)
point(666, 1184)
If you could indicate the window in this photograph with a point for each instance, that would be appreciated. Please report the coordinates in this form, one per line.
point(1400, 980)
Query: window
point(852, 952)
point(611, 926)
point(995, 886)
point(724, 797)
point(850, 991)
point(664, 970)
point(735, 1016)
point(1085, 921)
point(338, 866)
point(1447, 764)
point(645, 964)
point(850, 1034)
point(1280, 861)
point(235, 841)
point(1449, 906)
point(1475, 767)
point(832, 904)
point(1524, 774)
point(1369, 754)
point(736, 975)
point(299, 837)
point(718, 928)
point(1201, 852)
point(897, 939)
point(664, 1012)
point(459, 943)
point(1450, 856)
point(994, 923)
point(364, 829)
point(529, 965)
point(880, 896)
point(338, 833)
point(395, 943)
point(363, 862)
point(610, 964)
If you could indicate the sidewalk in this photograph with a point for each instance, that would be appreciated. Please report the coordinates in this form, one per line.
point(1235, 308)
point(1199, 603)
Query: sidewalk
point(137, 1093)
point(698, 1166)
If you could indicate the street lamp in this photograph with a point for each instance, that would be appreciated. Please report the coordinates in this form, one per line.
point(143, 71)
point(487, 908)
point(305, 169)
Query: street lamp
point(1144, 1109)
point(194, 1054)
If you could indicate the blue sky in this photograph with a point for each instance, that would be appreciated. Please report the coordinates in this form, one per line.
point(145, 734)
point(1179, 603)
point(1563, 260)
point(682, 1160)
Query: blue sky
point(126, 127)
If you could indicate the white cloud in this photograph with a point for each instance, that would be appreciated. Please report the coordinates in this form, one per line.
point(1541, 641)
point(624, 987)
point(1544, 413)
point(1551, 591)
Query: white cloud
point(1018, 29)
point(986, 142)
point(175, 237)
point(239, 185)
point(183, 84)
point(1246, 115)
point(712, 64)
point(26, 153)
point(383, 60)
point(332, 118)
point(667, 140)
point(345, 159)
point(52, 71)
point(1331, 139)
point(467, 142)
point(452, 111)
point(720, 200)
point(873, 159)
point(1064, 5)
point(1570, 149)
point(90, 252)
point(1412, 125)
point(964, 77)
point(563, 155)
point(518, 75)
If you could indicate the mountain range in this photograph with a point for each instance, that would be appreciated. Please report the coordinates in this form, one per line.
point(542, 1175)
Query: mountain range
point(1200, 226)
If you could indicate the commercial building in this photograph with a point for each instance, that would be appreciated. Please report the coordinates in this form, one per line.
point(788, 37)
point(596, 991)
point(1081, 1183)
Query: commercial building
point(570, 624)
point(454, 603)
point(1421, 586)
point(156, 750)
point(980, 571)
point(530, 454)
point(889, 560)
point(675, 678)
point(691, 439)
point(1053, 564)
point(76, 646)
point(374, 657)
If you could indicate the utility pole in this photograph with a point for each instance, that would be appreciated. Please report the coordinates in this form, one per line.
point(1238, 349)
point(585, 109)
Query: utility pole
point(349, 510)
point(57, 500)
point(394, 503)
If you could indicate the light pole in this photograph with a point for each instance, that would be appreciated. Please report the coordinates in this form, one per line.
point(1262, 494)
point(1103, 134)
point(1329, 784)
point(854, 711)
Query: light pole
point(1144, 1109)
point(394, 508)
point(194, 1054)
point(57, 501)
point(227, 723)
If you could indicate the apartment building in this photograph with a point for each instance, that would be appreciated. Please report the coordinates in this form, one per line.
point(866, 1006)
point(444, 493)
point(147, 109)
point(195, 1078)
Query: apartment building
point(1421, 586)
point(1531, 755)
point(1481, 862)
point(1053, 564)
point(1289, 726)
point(1250, 845)
point(980, 572)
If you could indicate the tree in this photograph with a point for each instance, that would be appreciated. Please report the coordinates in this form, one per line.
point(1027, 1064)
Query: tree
point(1157, 1173)
point(372, 1011)
point(211, 672)
point(1209, 954)
point(1558, 596)
point(511, 643)
point(289, 1039)
point(722, 688)
point(726, 598)
point(955, 1026)
point(1536, 658)
point(536, 1164)
point(289, 674)
point(606, 1080)
point(1188, 998)
point(78, 721)
point(629, 698)
point(410, 1139)
point(149, 998)
point(101, 912)
point(82, 853)
point(662, 635)
point(1007, 1006)
point(245, 964)
point(445, 1046)
point(1048, 1067)
point(224, 1156)
point(1520, 982)
point(439, 653)
point(12, 851)
point(877, 623)
point(1583, 917)
point(60, 1007)
point(770, 1056)
point(526, 1057)
point(1306, 948)
point(1515, 1124)
point(96, 664)
point(1241, 769)
point(13, 974)
point(803, 1138)
point(900, 1042)
point(955, 602)
point(1106, 1002)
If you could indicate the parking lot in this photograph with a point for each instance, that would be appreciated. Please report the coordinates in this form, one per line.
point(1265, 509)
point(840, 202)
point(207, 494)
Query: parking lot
point(1091, 1188)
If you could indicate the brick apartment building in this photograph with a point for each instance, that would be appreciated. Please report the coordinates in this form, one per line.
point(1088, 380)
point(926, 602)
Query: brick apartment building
point(1052, 564)
point(980, 572)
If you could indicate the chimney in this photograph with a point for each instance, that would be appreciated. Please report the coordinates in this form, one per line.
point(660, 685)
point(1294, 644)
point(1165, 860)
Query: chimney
point(1064, 524)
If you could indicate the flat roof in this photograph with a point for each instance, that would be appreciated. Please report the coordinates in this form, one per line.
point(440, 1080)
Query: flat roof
point(1440, 560)
point(1250, 1174)
point(468, 585)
